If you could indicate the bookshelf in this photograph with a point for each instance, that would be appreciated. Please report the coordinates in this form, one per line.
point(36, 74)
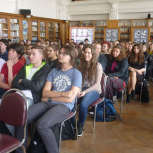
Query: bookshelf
point(25, 30)
point(150, 24)
point(14, 30)
point(34, 31)
point(51, 31)
point(43, 30)
point(3, 28)
point(57, 31)
point(125, 28)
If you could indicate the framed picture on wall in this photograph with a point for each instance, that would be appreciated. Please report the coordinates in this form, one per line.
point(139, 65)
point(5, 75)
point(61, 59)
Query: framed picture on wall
point(79, 34)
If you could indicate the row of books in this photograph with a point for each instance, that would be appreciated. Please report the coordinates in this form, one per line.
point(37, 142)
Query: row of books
point(15, 34)
point(34, 28)
point(14, 20)
point(34, 38)
point(42, 34)
point(3, 20)
point(13, 40)
point(14, 26)
point(2, 34)
point(42, 23)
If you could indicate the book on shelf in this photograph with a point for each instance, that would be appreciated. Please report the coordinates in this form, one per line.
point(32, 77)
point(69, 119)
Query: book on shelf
point(14, 26)
point(14, 20)
point(51, 24)
point(34, 28)
point(3, 20)
point(34, 23)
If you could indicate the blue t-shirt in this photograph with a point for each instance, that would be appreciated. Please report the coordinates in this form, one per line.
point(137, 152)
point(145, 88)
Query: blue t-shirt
point(4, 56)
point(62, 81)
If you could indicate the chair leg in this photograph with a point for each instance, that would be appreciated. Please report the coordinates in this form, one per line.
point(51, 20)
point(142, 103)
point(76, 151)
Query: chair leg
point(104, 110)
point(76, 126)
point(121, 102)
point(60, 135)
point(141, 92)
point(125, 97)
point(94, 119)
point(23, 149)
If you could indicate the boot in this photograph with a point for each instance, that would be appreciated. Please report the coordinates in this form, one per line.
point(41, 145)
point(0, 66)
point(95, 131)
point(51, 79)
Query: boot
point(128, 98)
point(133, 94)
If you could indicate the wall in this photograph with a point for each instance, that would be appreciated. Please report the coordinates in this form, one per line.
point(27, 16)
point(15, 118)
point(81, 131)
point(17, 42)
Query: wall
point(109, 9)
point(46, 8)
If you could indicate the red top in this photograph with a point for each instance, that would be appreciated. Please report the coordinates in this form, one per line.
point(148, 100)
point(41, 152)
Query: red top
point(22, 60)
point(113, 65)
point(16, 68)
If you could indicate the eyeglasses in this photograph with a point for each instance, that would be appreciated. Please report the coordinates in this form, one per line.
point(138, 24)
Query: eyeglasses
point(49, 50)
point(64, 54)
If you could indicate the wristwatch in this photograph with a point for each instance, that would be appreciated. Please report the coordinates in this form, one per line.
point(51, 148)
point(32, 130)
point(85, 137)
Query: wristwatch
point(49, 99)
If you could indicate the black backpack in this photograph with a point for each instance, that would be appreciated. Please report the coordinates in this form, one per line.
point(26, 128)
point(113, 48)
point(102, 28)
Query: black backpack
point(145, 93)
point(37, 146)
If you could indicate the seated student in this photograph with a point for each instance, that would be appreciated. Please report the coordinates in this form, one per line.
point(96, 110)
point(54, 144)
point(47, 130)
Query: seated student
point(11, 68)
point(105, 48)
point(77, 60)
point(51, 56)
point(38, 43)
point(149, 67)
point(81, 44)
point(102, 59)
point(136, 68)
point(91, 88)
point(1, 63)
point(128, 52)
point(58, 98)
point(28, 53)
point(48, 42)
point(150, 49)
point(31, 78)
point(86, 41)
point(28, 42)
point(3, 51)
point(117, 71)
point(126, 46)
point(146, 54)
point(79, 50)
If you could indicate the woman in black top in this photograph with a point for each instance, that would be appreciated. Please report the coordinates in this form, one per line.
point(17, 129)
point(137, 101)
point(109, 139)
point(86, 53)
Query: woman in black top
point(117, 71)
point(136, 69)
point(51, 55)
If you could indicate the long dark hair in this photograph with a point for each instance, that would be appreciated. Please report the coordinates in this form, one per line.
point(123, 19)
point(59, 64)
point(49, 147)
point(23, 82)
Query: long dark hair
point(89, 72)
point(140, 55)
point(69, 50)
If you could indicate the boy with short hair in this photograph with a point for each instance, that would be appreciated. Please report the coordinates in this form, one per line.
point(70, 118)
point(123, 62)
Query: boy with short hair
point(3, 52)
point(11, 68)
point(31, 78)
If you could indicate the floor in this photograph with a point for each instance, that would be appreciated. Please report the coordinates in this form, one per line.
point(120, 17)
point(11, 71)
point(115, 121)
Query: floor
point(133, 135)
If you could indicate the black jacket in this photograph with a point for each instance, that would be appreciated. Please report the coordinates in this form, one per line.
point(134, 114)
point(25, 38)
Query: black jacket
point(36, 84)
point(120, 71)
point(102, 59)
point(150, 60)
point(146, 54)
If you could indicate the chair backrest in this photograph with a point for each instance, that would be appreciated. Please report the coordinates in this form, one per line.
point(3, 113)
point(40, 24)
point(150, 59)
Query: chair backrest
point(103, 84)
point(13, 108)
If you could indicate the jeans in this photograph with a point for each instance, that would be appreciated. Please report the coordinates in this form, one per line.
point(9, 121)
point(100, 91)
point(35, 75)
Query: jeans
point(45, 115)
point(85, 101)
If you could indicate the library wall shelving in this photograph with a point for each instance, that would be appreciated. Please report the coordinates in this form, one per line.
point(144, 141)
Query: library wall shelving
point(125, 27)
point(17, 27)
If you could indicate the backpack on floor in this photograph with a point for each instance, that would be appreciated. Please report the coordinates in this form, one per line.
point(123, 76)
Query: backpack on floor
point(37, 145)
point(110, 112)
point(145, 93)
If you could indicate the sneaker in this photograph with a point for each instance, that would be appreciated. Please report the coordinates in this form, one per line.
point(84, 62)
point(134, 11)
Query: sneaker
point(91, 111)
point(80, 130)
point(114, 100)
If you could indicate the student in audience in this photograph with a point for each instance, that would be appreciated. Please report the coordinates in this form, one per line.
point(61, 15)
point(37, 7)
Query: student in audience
point(81, 44)
point(60, 42)
point(48, 42)
point(146, 54)
point(28, 42)
point(22, 42)
point(9, 43)
point(116, 71)
point(126, 46)
point(105, 47)
point(102, 59)
point(128, 52)
point(52, 56)
point(77, 60)
point(3, 51)
point(72, 40)
point(58, 98)
point(31, 78)
point(38, 43)
point(43, 45)
point(115, 43)
point(149, 64)
point(91, 88)
point(28, 52)
point(42, 41)
point(136, 68)
point(2, 62)
point(150, 50)
point(149, 43)
point(11, 68)
point(86, 41)
point(79, 50)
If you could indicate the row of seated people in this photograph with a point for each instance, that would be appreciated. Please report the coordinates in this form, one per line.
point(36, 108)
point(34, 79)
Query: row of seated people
point(51, 93)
